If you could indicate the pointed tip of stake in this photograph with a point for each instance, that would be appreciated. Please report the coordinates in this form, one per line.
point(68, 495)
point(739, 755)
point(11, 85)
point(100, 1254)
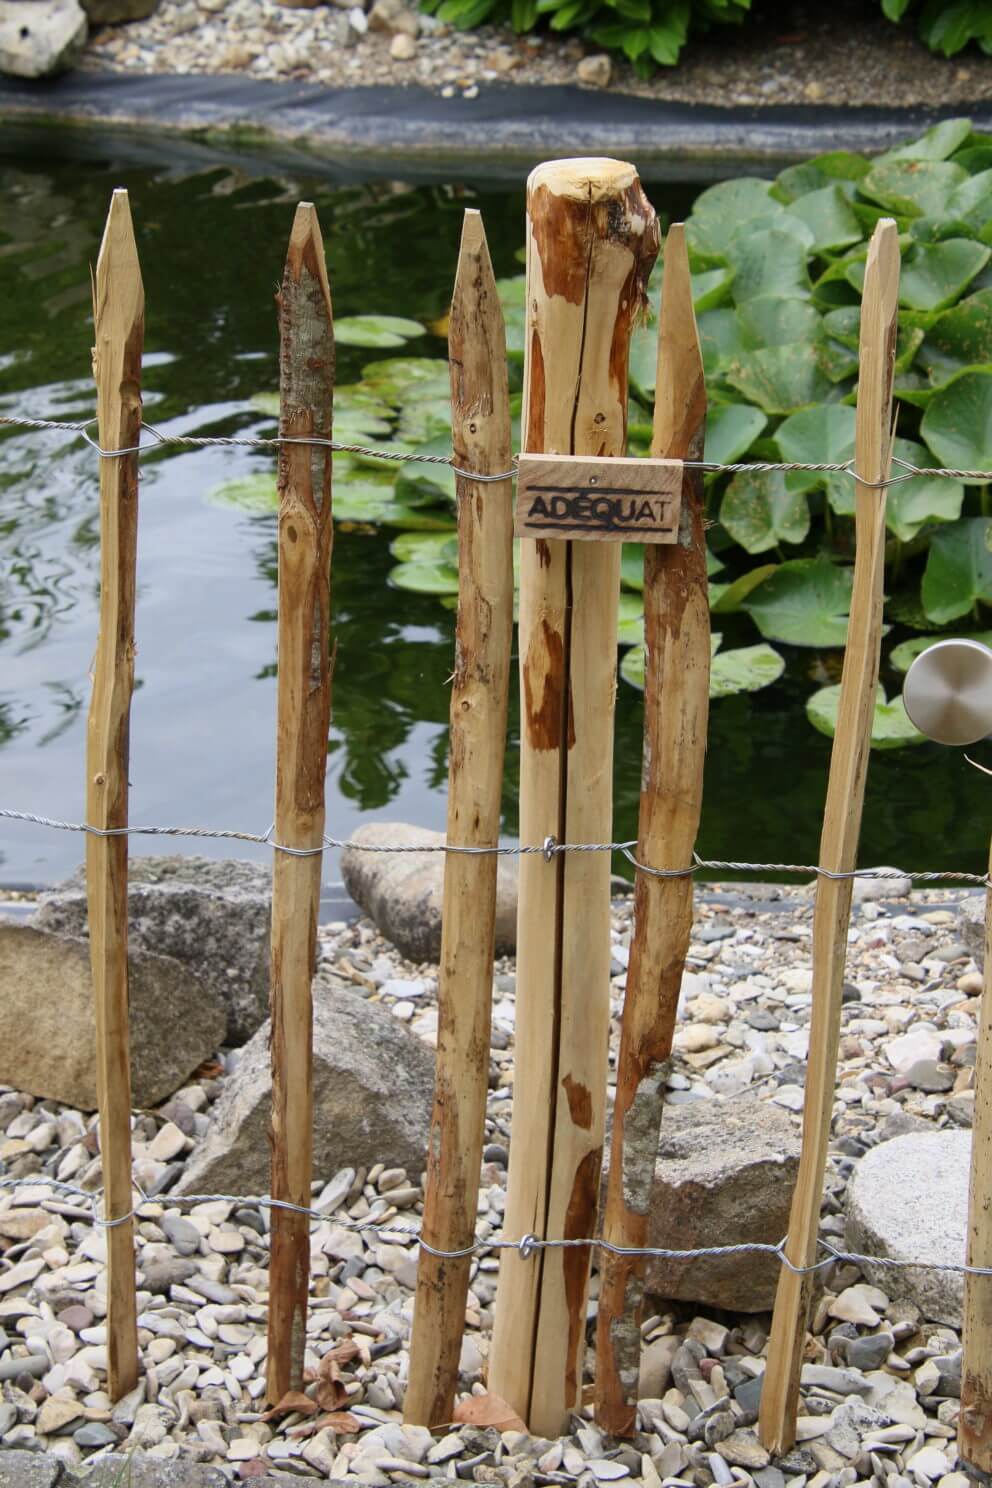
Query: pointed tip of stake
point(680, 386)
point(118, 270)
point(474, 276)
point(882, 267)
point(306, 248)
point(473, 232)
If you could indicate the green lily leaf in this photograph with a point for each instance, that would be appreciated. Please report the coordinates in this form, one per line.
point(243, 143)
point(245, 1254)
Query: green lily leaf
point(632, 566)
point(774, 320)
point(759, 511)
point(926, 498)
point(747, 669)
point(378, 331)
point(901, 657)
point(913, 188)
point(731, 429)
point(424, 419)
point(959, 569)
point(725, 599)
point(828, 215)
point(426, 547)
point(823, 170)
point(720, 211)
point(936, 144)
point(890, 725)
point(711, 288)
point(722, 341)
point(804, 603)
point(644, 360)
point(630, 619)
point(960, 337)
point(934, 275)
point(394, 378)
point(820, 436)
point(781, 379)
point(771, 261)
point(427, 485)
point(425, 577)
point(248, 493)
point(958, 423)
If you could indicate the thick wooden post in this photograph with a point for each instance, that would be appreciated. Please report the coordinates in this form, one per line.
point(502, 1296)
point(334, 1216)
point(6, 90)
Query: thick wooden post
point(841, 829)
point(306, 385)
point(119, 328)
point(975, 1423)
point(482, 441)
point(676, 707)
point(592, 240)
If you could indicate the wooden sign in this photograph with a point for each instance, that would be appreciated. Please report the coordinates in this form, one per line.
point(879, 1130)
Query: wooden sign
point(609, 500)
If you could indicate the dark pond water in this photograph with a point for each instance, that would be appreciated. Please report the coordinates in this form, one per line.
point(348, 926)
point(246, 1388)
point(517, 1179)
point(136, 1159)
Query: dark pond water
point(212, 243)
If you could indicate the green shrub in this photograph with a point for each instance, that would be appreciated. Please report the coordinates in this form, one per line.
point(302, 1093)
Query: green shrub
point(652, 33)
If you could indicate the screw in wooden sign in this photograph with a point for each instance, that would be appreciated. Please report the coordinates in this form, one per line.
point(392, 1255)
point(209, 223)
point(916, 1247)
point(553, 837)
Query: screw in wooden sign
point(611, 500)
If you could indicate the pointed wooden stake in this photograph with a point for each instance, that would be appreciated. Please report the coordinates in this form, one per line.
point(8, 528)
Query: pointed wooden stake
point(676, 707)
point(841, 829)
point(119, 329)
point(482, 441)
point(592, 241)
point(975, 1423)
point(306, 385)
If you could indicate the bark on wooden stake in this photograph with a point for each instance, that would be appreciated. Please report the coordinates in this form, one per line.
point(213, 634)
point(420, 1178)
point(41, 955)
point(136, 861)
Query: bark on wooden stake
point(592, 240)
point(676, 706)
point(482, 441)
point(306, 385)
point(119, 328)
point(841, 829)
point(975, 1424)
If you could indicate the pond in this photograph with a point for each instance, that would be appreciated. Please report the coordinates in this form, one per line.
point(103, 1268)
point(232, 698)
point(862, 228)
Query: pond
point(212, 242)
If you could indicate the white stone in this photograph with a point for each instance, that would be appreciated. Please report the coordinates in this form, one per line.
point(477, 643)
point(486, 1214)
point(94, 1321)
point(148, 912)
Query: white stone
point(922, 1042)
point(38, 37)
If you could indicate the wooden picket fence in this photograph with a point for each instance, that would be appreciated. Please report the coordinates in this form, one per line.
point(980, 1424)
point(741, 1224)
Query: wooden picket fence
point(592, 238)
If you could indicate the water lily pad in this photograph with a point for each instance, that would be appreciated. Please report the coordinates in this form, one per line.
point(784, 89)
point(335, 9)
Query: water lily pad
point(425, 577)
point(726, 598)
point(926, 498)
point(805, 602)
point(759, 511)
point(425, 547)
point(720, 211)
point(890, 724)
point(828, 215)
point(427, 484)
point(644, 360)
point(820, 436)
point(248, 493)
point(958, 423)
point(424, 419)
point(770, 262)
point(901, 657)
point(773, 320)
point(913, 188)
point(960, 337)
point(711, 288)
point(747, 669)
point(959, 569)
point(632, 566)
point(731, 429)
point(937, 143)
point(378, 331)
point(823, 170)
point(630, 619)
point(394, 378)
point(781, 379)
point(935, 275)
point(722, 341)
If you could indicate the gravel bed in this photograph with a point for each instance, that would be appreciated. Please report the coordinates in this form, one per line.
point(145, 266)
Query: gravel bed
point(845, 54)
point(881, 1383)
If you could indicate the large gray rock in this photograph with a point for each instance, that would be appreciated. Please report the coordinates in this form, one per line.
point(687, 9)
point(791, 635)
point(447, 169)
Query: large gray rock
point(213, 916)
point(29, 1469)
point(47, 1042)
point(402, 892)
point(373, 1086)
point(725, 1174)
point(38, 37)
point(908, 1200)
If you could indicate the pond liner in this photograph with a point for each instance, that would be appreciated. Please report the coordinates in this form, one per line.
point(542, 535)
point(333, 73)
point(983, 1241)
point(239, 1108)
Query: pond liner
point(358, 133)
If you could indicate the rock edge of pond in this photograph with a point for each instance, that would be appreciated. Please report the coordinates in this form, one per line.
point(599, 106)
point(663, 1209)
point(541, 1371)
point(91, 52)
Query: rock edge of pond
point(357, 132)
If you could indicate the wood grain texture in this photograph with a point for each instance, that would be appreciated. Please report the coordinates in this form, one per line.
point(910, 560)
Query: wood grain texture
point(592, 240)
point(482, 441)
point(676, 709)
point(975, 1422)
point(119, 320)
point(572, 497)
point(841, 829)
point(303, 704)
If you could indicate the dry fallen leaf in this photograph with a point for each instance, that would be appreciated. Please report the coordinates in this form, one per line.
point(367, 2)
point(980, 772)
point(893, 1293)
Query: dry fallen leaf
point(293, 1400)
point(342, 1353)
point(342, 1422)
point(488, 1410)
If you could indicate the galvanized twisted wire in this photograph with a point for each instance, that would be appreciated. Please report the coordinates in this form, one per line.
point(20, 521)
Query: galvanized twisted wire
point(548, 849)
point(192, 441)
point(527, 1245)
